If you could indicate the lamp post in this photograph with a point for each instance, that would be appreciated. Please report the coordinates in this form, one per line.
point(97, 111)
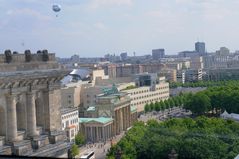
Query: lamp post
point(173, 154)
point(118, 153)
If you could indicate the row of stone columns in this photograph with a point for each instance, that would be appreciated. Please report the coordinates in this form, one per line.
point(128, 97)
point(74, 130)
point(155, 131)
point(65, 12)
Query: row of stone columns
point(122, 119)
point(97, 133)
point(12, 116)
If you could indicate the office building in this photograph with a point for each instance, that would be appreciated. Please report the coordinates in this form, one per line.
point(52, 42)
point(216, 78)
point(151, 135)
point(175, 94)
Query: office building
point(193, 75)
point(158, 54)
point(200, 48)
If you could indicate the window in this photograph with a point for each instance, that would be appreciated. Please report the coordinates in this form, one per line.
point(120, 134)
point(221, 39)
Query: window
point(72, 133)
point(67, 123)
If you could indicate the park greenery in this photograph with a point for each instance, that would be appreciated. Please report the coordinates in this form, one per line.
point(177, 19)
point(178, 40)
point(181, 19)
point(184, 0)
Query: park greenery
point(74, 151)
point(177, 101)
point(80, 139)
point(198, 137)
point(201, 138)
point(214, 100)
point(210, 102)
point(203, 83)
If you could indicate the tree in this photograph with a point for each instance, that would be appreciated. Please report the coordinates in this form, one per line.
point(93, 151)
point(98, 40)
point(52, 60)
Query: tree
point(79, 139)
point(146, 108)
point(202, 138)
point(199, 104)
point(157, 106)
point(176, 101)
point(74, 151)
point(167, 104)
point(162, 105)
point(152, 107)
point(171, 103)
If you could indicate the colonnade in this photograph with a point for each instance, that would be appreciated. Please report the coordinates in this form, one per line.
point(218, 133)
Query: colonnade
point(122, 119)
point(98, 133)
point(11, 116)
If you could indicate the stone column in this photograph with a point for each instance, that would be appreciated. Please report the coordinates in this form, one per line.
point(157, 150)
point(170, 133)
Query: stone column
point(31, 115)
point(91, 134)
point(11, 118)
point(111, 132)
point(125, 118)
point(129, 116)
point(118, 121)
point(121, 120)
point(85, 131)
point(107, 134)
point(108, 131)
point(97, 134)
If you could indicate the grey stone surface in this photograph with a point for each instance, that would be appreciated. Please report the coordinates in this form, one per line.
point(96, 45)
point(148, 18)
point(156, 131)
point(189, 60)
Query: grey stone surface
point(30, 103)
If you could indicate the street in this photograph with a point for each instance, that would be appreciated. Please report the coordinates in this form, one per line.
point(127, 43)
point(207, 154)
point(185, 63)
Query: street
point(175, 112)
point(101, 148)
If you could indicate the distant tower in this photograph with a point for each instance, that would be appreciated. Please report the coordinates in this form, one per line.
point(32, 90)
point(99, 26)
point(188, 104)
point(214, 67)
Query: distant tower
point(158, 54)
point(123, 56)
point(200, 48)
point(134, 53)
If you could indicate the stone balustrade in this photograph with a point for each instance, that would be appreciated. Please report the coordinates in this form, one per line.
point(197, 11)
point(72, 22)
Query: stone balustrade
point(20, 58)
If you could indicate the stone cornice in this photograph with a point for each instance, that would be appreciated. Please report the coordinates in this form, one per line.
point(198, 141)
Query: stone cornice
point(32, 75)
point(31, 80)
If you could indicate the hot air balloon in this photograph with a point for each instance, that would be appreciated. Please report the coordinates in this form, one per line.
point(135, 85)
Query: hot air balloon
point(56, 8)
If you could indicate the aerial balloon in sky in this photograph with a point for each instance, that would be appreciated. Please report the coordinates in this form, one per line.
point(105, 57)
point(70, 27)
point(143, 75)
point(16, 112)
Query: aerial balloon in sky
point(56, 8)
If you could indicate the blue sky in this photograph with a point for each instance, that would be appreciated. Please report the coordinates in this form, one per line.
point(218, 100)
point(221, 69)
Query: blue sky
point(97, 27)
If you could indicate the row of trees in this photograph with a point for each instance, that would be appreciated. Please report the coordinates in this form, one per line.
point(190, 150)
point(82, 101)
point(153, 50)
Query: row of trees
point(201, 138)
point(166, 104)
point(79, 141)
point(214, 100)
point(204, 83)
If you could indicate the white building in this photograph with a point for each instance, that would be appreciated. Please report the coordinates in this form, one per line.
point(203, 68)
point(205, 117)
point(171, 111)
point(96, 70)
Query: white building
point(70, 122)
point(193, 75)
point(231, 116)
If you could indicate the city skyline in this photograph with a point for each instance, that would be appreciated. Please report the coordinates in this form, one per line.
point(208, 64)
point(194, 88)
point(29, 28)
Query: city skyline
point(115, 26)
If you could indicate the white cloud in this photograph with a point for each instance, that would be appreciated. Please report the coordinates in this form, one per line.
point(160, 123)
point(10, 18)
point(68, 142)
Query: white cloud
point(24, 19)
point(100, 25)
point(28, 12)
point(106, 3)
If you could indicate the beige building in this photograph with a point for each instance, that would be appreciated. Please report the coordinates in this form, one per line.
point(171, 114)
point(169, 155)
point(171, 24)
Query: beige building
point(152, 67)
point(141, 95)
point(128, 70)
point(197, 62)
point(99, 73)
point(169, 74)
point(174, 65)
point(71, 94)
